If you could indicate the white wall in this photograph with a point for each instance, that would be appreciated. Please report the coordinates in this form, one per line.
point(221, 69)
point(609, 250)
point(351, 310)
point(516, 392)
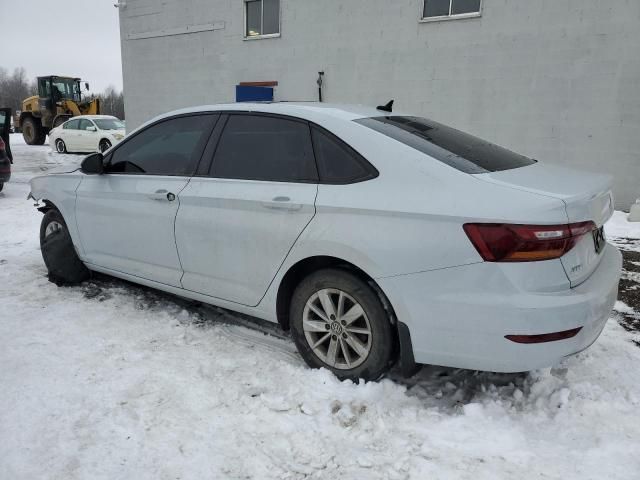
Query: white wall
point(558, 80)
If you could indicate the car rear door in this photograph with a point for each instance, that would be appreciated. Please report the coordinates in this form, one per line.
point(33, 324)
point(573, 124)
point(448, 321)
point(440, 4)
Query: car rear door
point(5, 129)
point(238, 220)
point(126, 216)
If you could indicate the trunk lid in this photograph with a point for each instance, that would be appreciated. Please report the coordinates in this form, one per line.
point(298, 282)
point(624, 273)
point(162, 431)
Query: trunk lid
point(587, 197)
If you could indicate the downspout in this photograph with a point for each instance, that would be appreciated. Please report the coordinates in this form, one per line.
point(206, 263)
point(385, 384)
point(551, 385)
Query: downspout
point(319, 82)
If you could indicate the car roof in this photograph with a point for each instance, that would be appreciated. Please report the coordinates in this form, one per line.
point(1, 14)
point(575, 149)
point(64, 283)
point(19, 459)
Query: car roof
point(306, 110)
point(92, 117)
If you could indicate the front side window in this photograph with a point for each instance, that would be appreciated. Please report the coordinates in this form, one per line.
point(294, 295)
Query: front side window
point(72, 125)
point(172, 147)
point(84, 124)
point(457, 149)
point(450, 8)
point(257, 147)
point(262, 17)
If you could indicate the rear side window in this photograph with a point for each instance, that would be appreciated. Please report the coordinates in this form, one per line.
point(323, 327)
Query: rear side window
point(172, 147)
point(257, 147)
point(337, 162)
point(457, 149)
point(71, 125)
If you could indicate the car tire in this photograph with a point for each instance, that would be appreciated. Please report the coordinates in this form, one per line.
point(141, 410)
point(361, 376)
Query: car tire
point(104, 145)
point(60, 146)
point(336, 340)
point(1, 186)
point(59, 254)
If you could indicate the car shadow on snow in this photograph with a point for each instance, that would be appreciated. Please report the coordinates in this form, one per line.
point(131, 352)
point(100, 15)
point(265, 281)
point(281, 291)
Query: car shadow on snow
point(440, 387)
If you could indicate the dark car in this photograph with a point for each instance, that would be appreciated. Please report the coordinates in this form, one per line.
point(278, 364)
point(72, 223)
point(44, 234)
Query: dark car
point(5, 151)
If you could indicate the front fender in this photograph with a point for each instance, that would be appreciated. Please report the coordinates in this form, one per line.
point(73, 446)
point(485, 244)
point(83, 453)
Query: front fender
point(59, 190)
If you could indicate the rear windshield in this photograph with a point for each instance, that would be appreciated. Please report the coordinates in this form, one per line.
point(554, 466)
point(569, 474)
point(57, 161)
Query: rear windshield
point(457, 149)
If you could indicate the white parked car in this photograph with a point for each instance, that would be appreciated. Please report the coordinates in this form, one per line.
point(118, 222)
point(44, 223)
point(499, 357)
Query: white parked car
point(87, 133)
point(372, 236)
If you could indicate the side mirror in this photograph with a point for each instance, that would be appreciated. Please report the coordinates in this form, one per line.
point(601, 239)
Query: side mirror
point(91, 128)
point(93, 164)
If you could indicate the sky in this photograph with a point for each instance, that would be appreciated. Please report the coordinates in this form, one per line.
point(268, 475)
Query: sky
point(78, 38)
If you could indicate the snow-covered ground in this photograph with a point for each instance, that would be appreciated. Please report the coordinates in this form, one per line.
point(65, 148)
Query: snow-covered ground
point(113, 381)
point(622, 233)
point(29, 161)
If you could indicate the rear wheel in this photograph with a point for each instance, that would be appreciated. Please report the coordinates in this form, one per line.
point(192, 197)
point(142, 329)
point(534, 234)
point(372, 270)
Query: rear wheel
point(32, 131)
point(58, 252)
point(104, 145)
point(60, 146)
point(338, 322)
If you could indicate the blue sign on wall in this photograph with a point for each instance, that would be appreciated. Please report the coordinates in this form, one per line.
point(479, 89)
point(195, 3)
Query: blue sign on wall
point(245, 93)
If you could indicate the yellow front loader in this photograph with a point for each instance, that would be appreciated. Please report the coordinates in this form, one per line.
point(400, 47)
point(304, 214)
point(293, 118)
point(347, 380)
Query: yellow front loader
point(58, 100)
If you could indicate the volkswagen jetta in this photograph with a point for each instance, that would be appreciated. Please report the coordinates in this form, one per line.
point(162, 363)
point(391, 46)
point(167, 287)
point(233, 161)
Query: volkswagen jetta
point(373, 236)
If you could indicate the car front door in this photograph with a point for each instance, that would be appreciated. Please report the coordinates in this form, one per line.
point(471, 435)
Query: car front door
point(87, 136)
point(5, 128)
point(126, 216)
point(238, 220)
point(71, 135)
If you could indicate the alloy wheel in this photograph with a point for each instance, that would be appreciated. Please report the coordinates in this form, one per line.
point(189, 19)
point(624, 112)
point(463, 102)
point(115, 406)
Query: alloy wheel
point(60, 146)
point(104, 146)
point(337, 329)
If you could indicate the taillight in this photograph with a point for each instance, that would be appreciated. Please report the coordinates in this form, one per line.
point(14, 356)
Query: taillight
point(500, 242)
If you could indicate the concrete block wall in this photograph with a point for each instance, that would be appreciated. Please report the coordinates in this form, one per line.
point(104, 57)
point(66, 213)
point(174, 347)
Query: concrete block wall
point(558, 80)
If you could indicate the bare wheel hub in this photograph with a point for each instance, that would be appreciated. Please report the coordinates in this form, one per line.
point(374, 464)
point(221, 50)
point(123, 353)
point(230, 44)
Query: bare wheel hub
point(52, 227)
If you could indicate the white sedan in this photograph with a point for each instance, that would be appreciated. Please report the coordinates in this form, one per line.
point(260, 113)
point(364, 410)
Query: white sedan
point(87, 133)
point(374, 237)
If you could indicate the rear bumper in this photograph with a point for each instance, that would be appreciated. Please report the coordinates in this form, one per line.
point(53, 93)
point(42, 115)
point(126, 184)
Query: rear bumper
point(459, 317)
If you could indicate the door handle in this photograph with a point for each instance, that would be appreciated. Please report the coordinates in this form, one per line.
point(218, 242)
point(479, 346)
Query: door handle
point(282, 203)
point(161, 195)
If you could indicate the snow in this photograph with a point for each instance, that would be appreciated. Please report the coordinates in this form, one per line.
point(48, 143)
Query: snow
point(623, 233)
point(622, 307)
point(108, 380)
point(29, 161)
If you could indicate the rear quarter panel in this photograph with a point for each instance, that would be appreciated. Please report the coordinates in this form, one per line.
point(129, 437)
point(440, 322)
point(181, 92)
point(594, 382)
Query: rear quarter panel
point(410, 217)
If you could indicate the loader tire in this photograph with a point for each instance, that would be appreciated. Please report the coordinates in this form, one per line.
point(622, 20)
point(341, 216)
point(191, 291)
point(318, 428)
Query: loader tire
point(32, 132)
